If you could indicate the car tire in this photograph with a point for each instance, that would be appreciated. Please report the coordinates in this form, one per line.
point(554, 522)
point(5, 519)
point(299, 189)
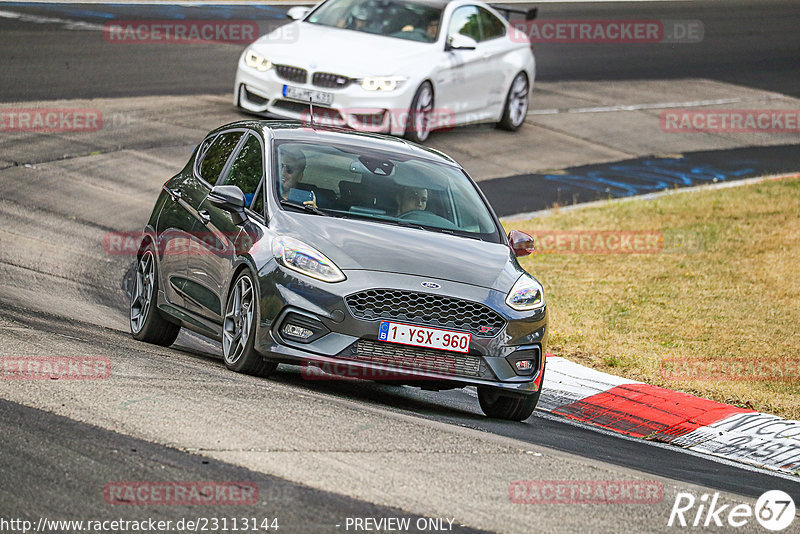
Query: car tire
point(418, 123)
point(146, 322)
point(512, 408)
point(238, 329)
point(516, 107)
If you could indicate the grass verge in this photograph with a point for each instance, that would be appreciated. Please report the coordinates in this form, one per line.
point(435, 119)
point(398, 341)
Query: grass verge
point(712, 310)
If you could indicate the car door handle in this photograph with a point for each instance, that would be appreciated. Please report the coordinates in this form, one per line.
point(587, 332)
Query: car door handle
point(205, 217)
point(486, 55)
point(175, 194)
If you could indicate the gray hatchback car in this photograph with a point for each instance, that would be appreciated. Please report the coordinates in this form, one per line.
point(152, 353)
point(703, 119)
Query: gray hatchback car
point(352, 255)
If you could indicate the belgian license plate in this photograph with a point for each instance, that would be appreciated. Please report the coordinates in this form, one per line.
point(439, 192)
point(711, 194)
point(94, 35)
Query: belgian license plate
point(317, 97)
point(419, 336)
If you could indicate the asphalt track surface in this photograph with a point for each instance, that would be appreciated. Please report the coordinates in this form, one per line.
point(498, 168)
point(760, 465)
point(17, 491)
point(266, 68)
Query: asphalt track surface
point(748, 42)
point(57, 465)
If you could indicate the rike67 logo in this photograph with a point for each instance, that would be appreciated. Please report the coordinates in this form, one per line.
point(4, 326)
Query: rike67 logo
point(774, 511)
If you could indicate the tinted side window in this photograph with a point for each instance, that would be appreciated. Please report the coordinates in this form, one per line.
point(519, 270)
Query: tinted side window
point(217, 155)
point(465, 22)
point(491, 25)
point(247, 169)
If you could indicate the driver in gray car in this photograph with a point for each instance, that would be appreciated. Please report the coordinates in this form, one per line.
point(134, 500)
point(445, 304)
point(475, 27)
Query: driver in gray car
point(412, 199)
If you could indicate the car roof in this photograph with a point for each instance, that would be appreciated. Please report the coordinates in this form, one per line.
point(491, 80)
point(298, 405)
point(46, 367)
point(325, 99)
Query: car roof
point(303, 132)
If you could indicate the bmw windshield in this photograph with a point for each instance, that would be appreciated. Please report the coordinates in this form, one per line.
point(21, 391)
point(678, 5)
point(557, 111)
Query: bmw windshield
point(412, 21)
point(381, 186)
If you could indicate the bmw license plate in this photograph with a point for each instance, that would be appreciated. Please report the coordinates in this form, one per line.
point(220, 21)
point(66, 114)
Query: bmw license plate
point(317, 97)
point(419, 336)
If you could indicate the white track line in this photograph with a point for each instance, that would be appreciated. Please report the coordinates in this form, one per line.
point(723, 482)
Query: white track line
point(69, 24)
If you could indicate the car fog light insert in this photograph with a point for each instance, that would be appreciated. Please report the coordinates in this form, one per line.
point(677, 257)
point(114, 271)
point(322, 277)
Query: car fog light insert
point(297, 331)
point(524, 365)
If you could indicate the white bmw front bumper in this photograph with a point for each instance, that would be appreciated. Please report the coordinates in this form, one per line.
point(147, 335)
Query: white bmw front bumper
point(351, 106)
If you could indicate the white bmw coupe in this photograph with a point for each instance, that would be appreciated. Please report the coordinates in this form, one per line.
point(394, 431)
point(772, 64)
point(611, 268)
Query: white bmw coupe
point(404, 67)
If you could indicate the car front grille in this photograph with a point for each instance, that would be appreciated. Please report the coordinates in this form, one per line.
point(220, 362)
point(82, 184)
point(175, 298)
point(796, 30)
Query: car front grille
point(330, 81)
point(417, 359)
point(292, 74)
point(427, 309)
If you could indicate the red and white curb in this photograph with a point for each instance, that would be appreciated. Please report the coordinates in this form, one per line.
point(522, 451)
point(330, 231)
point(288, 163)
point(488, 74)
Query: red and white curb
point(640, 410)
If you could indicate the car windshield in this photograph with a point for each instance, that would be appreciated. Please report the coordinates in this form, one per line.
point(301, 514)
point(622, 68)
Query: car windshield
point(381, 186)
point(413, 21)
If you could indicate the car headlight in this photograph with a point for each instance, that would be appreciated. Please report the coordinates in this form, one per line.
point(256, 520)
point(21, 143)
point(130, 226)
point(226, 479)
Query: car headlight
point(381, 83)
point(256, 60)
point(527, 294)
point(304, 259)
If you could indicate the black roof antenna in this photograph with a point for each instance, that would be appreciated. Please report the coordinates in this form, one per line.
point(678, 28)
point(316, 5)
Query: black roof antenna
point(311, 111)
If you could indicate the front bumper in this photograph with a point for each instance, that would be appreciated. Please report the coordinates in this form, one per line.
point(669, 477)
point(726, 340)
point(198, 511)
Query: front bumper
point(353, 107)
point(349, 347)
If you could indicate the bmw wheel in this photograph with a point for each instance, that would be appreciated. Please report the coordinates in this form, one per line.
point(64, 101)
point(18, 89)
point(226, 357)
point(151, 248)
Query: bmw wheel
point(146, 322)
point(418, 125)
point(516, 108)
point(238, 329)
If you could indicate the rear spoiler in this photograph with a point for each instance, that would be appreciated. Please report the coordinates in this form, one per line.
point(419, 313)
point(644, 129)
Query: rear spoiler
point(507, 12)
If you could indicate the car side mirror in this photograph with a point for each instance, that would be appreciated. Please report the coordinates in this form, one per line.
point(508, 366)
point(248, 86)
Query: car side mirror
point(229, 198)
point(520, 242)
point(297, 12)
point(461, 42)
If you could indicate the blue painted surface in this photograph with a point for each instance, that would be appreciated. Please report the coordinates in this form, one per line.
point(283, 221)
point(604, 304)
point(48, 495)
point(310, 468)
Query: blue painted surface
point(651, 175)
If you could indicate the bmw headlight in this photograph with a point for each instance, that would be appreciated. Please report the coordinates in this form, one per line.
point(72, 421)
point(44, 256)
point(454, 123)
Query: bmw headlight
point(304, 259)
point(381, 83)
point(256, 60)
point(526, 295)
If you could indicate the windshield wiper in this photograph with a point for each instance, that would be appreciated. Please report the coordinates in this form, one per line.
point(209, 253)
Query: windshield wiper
point(306, 207)
point(407, 224)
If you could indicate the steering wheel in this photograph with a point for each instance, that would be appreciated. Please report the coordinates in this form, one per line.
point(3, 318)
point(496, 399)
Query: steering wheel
point(410, 214)
point(428, 218)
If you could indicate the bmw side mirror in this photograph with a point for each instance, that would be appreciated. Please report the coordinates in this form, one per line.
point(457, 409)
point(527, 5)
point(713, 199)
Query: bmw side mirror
point(229, 198)
point(520, 242)
point(297, 12)
point(461, 42)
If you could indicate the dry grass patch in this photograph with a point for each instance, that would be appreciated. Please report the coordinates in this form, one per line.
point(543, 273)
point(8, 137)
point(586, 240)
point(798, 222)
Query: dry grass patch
point(725, 288)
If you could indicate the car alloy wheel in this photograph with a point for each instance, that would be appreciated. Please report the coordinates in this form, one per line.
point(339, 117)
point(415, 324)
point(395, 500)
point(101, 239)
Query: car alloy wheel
point(239, 329)
point(142, 295)
point(419, 117)
point(516, 109)
point(146, 322)
point(238, 323)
